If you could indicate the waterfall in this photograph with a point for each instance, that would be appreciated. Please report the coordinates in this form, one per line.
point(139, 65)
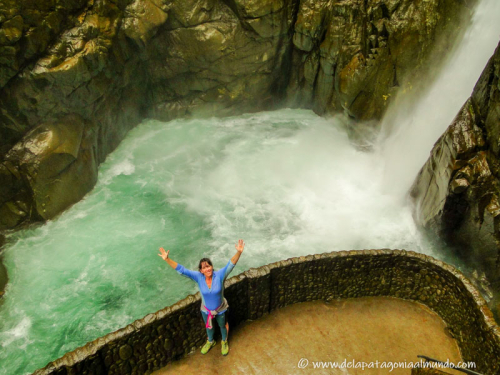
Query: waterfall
point(411, 129)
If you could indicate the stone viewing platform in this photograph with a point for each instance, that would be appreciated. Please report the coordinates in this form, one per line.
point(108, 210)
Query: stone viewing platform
point(367, 329)
point(376, 305)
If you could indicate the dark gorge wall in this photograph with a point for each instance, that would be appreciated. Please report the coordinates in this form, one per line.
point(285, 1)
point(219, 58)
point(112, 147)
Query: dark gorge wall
point(173, 332)
point(457, 192)
point(354, 56)
point(75, 76)
point(68, 105)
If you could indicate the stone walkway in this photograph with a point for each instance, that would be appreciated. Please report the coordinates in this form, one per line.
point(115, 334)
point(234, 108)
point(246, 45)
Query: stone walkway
point(360, 330)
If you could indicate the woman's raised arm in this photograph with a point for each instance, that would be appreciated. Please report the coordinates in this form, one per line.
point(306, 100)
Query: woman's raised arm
point(239, 249)
point(165, 257)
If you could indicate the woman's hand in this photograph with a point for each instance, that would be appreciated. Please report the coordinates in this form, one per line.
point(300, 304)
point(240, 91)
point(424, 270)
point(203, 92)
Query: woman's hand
point(163, 254)
point(240, 246)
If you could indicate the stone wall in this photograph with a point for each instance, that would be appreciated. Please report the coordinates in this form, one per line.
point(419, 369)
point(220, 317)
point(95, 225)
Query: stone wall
point(173, 332)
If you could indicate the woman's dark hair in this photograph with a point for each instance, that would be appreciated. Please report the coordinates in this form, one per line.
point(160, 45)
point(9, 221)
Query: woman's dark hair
point(204, 260)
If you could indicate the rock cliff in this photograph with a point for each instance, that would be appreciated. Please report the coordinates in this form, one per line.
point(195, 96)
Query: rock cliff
point(75, 76)
point(457, 192)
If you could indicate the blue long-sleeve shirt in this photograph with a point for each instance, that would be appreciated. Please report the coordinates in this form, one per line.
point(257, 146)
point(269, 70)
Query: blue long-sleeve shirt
point(211, 297)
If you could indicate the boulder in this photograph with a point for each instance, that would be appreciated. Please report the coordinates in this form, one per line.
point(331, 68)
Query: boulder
point(52, 167)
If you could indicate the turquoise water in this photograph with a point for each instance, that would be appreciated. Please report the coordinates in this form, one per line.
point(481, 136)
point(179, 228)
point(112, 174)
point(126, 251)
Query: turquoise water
point(288, 182)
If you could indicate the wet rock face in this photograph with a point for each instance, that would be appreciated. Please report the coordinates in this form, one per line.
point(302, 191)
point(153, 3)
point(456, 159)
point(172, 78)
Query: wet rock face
point(65, 110)
point(28, 28)
point(355, 55)
point(219, 57)
point(50, 169)
point(110, 63)
point(457, 192)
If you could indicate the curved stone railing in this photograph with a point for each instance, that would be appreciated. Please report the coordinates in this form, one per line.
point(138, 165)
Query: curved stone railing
point(171, 333)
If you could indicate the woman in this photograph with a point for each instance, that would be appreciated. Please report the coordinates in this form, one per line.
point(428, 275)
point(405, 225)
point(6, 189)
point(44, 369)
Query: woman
point(211, 284)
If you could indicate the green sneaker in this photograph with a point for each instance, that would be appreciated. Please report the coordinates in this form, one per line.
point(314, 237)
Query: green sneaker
point(208, 345)
point(225, 347)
